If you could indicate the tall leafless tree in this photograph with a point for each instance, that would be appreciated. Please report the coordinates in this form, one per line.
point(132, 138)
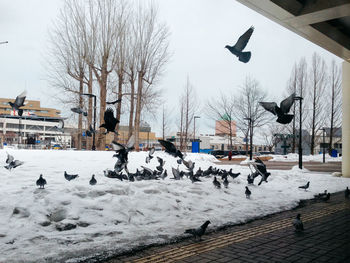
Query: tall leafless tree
point(292, 88)
point(335, 101)
point(165, 121)
point(317, 84)
point(223, 109)
point(247, 107)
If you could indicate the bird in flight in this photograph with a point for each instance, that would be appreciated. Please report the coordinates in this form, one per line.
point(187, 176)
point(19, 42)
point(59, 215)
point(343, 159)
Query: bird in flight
point(110, 121)
point(237, 49)
point(282, 110)
point(19, 102)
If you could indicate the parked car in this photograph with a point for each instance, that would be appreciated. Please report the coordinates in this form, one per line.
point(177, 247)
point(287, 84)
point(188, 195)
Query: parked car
point(219, 153)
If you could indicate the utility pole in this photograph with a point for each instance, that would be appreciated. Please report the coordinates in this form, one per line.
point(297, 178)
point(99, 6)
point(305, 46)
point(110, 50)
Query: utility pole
point(300, 150)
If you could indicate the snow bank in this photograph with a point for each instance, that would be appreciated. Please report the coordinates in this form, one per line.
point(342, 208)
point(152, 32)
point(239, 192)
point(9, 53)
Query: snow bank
point(116, 216)
point(294, 157)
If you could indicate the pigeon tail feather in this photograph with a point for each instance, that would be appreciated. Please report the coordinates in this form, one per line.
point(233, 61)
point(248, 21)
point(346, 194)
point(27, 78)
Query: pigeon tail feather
point(245, 56)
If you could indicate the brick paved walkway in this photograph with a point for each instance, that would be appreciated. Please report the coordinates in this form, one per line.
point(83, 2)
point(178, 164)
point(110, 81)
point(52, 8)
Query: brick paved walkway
point(271, 239)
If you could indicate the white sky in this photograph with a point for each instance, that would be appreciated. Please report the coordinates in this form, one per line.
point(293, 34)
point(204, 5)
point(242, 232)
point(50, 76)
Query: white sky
point(199, 31)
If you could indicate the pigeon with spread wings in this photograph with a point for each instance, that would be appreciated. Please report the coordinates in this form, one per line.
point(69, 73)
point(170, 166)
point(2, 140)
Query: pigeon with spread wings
point(170, 148)
point(282, 110)
point(110, 121)
point(19, 102)
point(237, 49)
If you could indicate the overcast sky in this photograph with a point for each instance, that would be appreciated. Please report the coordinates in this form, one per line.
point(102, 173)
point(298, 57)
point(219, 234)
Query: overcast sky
point(199, 31)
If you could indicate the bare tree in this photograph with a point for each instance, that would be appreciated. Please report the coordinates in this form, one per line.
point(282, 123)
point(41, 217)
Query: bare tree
point(317, 87)
point(151, 49)
point(270, 134)
point(223, 109)
point(334, 112)
point(165, 121)
point(247, 107)
point(292, 88)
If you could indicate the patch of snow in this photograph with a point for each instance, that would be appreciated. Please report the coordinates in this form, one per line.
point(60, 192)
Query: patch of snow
point(71, 220)
point(294, 157)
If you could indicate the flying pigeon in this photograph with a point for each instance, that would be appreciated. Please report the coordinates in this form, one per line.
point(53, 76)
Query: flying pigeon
point(170, 148)
point(19, 102)
point(12, 163)
point(298, 224)
point(282, 110)
point(113, 102)
point(198, 232)
point(79, 111)
point(161, 164)
point(60, 126)
point(70, 176)
point(305, 186)
point(189, 164)
point(41, 182)
point(247, 192)
point(122, 151)
point(264, 178)
point(150, 155)
point(237, 49)
point(216, 183)
point(9, 158)
point(110, 121)
point(93, 180)
point(347, 192)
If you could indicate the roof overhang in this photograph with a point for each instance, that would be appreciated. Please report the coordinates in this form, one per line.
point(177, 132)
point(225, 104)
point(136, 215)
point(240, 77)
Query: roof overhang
point(323, 22)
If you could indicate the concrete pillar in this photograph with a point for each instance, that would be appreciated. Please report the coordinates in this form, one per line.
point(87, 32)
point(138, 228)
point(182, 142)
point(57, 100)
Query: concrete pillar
point(346, 120)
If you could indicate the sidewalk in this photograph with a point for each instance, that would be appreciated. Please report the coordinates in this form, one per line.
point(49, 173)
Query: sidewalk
point(271, 239)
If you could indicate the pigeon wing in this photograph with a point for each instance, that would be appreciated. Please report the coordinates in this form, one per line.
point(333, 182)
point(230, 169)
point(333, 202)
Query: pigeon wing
point(243, 39)
point(169, 146)
point(117, 146)
point(269, 106)
point(20, 99)
point(151, 151)
point(131, 142)
point(10, 158)
point(287, 103)
point(109, 118)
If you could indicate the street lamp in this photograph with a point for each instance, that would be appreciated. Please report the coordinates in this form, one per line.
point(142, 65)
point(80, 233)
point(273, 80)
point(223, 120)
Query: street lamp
point(90, 95)
point(300, 150)
point(250, 141)
point(194, 128)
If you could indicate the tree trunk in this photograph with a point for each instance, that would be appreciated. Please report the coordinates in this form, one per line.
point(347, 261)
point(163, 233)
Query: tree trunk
point(80, 118)
point(119, 104)
point(101, 140)
point(132, 105)
point(138, 110)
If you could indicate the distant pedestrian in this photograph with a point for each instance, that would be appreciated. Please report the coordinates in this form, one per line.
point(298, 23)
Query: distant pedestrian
point(230, 155)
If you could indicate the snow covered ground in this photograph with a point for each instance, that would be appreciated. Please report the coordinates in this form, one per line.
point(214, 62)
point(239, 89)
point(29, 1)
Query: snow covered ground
point(294, 157)
point(116, 216)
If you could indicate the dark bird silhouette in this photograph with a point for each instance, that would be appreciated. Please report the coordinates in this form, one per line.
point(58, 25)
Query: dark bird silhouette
point(176, 173)
point(110, 121)
point(113, 102)
point(226, 182)
point(150, 154)
point(264, 178)
point(320, 195)
point(93, 180)
point(70, 176)
point(41, 182)
point(282, 111)
point(19, 102)
point(189, 165)
point(326, 198)
point(9, 158)
point(121, 152)
point(237, 49)
point(233, 175)
point(247, 192)
point(90, 131)
point(298, 224)
point(198, 232)
point(216, 183)
point(79, 111)
point(347, 192)
point(250, 179)
point(305, 186)
point(161, 164)
point(170, 148)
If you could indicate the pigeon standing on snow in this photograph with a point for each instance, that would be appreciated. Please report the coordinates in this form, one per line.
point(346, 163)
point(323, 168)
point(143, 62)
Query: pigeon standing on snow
point(237, 49)
point(41, 182)
point(70, 176)
point(93, 180)
point(247, 192)
point(282, 110)
point(110, 121)
point(216, 183)
point(298, 224)
point(150, 155)
point(19, 102)
point(250, 179)
point(198, 232)
point(305, 186)
point(326, 198)
point(226, 182)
